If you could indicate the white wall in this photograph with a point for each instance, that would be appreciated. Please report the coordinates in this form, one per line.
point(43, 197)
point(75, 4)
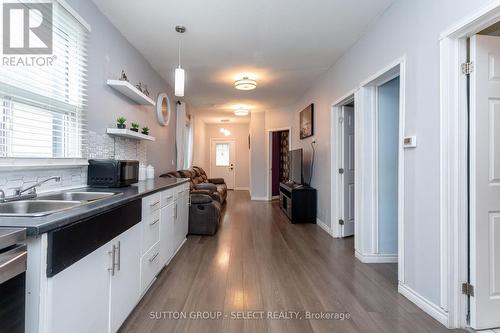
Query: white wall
point(258, 166)
point(239, 132)
point(408, 28)
point(200, 155)
point(387, 155)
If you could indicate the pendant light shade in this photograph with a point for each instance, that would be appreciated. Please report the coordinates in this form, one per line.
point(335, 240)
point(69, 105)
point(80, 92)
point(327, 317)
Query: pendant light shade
point(180, 75)
point(179, 81)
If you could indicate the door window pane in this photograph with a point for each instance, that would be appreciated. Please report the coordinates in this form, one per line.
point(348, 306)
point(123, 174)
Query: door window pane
point(222, 154)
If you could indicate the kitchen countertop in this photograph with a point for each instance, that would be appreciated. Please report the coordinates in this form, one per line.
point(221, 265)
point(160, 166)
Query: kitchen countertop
point(43, 224)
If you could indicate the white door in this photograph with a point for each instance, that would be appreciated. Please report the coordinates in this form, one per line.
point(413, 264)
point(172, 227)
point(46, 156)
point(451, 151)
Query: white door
point(125, 283)
point(348, 171)
point(485, 182)
point(223, 161)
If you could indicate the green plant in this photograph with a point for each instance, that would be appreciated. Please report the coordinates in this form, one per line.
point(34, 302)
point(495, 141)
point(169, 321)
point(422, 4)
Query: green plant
point(135, 125)
point(121, 120)
point(145, 130)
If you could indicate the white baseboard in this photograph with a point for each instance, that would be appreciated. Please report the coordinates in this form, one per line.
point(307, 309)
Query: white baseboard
point(323, 226)
point(259, 198)
point(427, 306)
point(241, 188)
point(376, 258)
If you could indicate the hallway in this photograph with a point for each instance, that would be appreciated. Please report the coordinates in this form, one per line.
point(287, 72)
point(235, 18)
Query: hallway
point(258, 261)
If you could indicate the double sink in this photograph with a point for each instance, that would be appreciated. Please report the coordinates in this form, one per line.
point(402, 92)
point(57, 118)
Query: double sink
point(50, 203)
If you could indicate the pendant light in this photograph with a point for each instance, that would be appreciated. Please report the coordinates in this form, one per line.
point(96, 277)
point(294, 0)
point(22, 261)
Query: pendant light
point(179, 71)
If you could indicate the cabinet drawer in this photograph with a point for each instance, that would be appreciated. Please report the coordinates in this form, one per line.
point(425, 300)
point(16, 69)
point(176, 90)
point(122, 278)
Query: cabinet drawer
point(167, 197)
point(150, 266)
point(150, 204)
point(150, 231)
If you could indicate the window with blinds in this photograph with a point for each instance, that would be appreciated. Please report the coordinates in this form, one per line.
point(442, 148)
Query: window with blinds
point(42, 108)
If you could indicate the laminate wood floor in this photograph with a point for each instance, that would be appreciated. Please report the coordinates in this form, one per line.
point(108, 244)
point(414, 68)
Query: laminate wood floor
point(259, 263)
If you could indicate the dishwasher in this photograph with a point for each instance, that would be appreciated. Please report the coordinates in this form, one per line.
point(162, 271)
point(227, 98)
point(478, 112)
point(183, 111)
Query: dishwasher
point(13, 256)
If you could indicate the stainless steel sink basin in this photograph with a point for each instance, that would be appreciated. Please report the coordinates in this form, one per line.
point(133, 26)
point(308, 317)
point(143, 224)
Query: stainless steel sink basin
point(77, 196)
point(35, 207)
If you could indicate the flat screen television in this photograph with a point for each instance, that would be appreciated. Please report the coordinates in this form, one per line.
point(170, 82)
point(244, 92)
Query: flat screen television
point(296, 166)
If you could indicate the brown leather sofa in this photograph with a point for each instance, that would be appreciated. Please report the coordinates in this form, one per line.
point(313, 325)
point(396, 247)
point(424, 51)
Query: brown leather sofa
point(208, 195)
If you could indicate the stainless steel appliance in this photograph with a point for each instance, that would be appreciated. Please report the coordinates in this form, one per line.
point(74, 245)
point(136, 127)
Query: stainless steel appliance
point(13, 256)
point(112, 173)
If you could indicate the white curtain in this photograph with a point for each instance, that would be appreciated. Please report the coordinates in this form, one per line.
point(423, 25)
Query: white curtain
point(184, 137)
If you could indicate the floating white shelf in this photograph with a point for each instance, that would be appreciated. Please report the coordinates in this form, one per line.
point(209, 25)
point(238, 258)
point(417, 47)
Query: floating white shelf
point(126, 133)
point(130, 91)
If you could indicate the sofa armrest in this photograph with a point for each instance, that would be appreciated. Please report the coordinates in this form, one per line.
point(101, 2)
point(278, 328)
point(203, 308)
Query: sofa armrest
point(205, 192)
point(206, 186)
point(198, 198)
point(216, 180)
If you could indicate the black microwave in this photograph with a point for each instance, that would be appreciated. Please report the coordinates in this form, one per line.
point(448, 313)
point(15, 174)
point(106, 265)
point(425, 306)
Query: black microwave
point(112, 173)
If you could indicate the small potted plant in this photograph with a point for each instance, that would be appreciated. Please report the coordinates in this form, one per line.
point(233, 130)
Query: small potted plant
point(145, 130)
point(135, 127)
point(120, 122)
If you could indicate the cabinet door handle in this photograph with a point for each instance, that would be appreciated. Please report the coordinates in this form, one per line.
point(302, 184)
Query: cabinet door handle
point(170, 197)
point(154, 204)
point(175, 211)
point(112, 253)
point(118, 264)
point(154, 257)
point(154, 222)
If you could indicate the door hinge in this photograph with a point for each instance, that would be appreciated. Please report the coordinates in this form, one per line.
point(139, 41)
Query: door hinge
point(467, 68)
point(467, 289)
point(341, 171)
point(341, 222)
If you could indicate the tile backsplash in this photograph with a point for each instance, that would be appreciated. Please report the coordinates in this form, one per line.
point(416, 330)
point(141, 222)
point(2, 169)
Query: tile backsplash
point(98, 146)
point(70, 177)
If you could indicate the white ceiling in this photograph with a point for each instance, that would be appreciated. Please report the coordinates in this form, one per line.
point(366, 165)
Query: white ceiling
point(288, 44)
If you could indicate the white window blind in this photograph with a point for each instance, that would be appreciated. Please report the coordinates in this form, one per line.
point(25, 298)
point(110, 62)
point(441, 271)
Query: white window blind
point(42, 108)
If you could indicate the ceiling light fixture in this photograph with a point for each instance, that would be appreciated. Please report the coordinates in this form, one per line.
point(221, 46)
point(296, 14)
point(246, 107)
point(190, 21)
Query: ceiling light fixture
point(179, 71)
point(225, 132)
point(245, 83)
point(241, 111)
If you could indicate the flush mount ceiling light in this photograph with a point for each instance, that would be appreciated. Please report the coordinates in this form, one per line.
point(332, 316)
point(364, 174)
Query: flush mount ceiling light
point(179, 71)
point(245, 83)
point(225, 132)
point(241, 111)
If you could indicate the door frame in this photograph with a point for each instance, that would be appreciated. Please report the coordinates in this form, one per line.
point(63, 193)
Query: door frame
point(269, 133)
point(336, 156)
point(233, 140)
point(365, 196)
point(454, 160)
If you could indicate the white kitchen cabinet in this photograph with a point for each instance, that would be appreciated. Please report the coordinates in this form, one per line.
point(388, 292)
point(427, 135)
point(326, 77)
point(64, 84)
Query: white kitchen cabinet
point(89, 296)
point(125, 279)
point(150, 266)
point(166, 234)
point(78, 297)
point(95, 295)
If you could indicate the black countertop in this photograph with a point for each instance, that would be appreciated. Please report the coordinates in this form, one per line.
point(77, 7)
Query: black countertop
point(43, 224)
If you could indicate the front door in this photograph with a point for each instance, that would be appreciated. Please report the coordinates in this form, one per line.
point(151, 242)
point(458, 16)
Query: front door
point(223, 161)
point(348, 170)
point(484, 178)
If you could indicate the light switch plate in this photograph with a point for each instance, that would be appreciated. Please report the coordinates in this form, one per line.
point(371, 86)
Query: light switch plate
point(409, 142)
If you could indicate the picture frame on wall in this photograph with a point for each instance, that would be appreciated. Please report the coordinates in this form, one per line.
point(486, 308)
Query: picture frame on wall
point(306, 118)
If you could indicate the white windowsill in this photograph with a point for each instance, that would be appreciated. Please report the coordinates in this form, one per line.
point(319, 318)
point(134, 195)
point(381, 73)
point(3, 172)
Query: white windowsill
point(7, 163)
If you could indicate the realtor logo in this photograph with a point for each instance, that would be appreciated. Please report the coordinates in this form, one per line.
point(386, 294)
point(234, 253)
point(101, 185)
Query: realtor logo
point(27, 28)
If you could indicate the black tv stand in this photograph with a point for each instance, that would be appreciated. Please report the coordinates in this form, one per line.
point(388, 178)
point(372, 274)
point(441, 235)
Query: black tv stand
point(298, 202)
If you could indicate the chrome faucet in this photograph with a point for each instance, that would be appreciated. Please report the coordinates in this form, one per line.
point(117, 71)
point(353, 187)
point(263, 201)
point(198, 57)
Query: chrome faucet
point(18, 192)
